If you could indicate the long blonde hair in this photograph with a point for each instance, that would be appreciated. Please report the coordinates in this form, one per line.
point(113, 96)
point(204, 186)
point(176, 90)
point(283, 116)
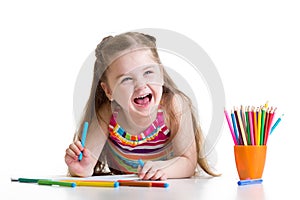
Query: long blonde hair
point(106, 52)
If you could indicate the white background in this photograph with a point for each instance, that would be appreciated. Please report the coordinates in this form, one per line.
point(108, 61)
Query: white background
point(254, 45)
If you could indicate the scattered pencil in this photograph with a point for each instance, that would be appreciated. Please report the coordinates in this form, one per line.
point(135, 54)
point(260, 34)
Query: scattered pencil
point(249, 182)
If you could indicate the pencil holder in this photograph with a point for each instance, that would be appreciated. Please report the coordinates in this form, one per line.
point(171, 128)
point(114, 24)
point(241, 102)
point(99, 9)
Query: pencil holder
point(250, 160)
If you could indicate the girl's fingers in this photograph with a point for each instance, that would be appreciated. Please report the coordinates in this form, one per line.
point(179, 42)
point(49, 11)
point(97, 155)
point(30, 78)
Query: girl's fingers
point(68, 159)
point(151, 170)
point(76, 147)
point(139, 169)
point(74, 150)
point(71, 154)
point(85, 152)
point(79, 145)
point(147, 171)
point(147, 167)
point(159, 175)
point(149, 175)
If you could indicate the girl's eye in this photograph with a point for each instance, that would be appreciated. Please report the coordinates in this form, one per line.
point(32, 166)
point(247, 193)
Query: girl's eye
point(126, 79)
point(148, 72)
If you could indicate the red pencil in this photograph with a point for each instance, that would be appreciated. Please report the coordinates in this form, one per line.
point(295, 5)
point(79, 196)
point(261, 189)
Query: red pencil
point(266, 126)
point(271, 116)
point(143, 183)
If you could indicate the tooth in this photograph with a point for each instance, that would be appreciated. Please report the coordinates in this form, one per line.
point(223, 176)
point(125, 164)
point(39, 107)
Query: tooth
point(141, 97)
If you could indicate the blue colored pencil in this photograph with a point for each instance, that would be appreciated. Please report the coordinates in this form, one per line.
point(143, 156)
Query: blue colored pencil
point(276, 124)
point(141, 162)
point(234, 127)
point(249, 182)
point(83, 137)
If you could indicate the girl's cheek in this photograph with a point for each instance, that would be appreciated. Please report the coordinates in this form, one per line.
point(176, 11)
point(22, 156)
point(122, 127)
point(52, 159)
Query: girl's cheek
point(123, 94)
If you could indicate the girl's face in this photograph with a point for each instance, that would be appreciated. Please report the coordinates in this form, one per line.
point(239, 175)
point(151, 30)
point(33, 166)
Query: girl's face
point(135, 82)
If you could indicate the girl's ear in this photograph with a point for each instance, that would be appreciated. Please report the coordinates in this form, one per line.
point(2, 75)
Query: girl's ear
point(107, 90)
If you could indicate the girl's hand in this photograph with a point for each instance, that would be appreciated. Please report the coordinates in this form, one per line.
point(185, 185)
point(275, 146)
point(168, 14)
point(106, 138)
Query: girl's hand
point(152, 170)
point(76, 167)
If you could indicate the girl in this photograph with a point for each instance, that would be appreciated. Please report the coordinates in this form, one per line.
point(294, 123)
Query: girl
point(135, 111)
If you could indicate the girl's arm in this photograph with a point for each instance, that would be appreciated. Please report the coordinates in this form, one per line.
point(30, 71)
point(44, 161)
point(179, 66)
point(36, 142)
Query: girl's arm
point(95, 140)
point(185, 161)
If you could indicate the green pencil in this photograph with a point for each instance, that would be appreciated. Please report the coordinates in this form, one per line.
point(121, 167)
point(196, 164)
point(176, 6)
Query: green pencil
point(248, 125)
point(60, 183)
point(26, 180)
point(262, 130)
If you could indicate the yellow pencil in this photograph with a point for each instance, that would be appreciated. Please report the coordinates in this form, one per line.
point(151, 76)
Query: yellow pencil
point(258, 126)
point(95, 183)
point(266, 104)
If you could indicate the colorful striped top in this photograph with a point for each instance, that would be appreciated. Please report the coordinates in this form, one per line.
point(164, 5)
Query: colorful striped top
point(123, 150)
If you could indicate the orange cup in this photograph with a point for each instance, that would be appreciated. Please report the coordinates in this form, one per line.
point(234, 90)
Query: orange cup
point(250, 161)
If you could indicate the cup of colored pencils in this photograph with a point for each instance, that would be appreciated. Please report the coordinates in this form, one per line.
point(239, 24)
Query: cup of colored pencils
point(250, 128)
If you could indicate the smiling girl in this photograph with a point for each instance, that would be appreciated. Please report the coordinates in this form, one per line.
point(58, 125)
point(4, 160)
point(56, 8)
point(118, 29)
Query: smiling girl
point(136, 112)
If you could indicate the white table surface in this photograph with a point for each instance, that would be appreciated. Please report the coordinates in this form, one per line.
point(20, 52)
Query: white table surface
point(194, 188)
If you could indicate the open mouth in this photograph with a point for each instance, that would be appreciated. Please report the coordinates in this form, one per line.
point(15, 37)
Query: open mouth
point(143, 100)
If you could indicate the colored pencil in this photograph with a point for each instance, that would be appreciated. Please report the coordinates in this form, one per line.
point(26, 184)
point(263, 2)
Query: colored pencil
point(266, 104)
point(251, 125)
point(254, 125)
point(92, 183)
point(234, 127)
point(83, 137)
point(266, 125)
point(143, 183)
point(242, 111)
point(25, 180)
point(240, 141)
point(276, 123)
point(258, 126)
point(270, 121)
point(141, 162)
point(249, 182)
point(59, 183)
point(102, 183)
point(242, 129)
point(248, 125)
point(250, 116)
point(230, 127)
point(262, 130)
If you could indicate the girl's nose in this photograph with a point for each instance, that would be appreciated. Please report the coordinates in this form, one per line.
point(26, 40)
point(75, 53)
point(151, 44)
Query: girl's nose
point(140, 83)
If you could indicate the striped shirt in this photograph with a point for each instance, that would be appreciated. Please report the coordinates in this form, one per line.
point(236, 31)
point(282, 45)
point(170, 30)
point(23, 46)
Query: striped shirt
point(123, 150)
